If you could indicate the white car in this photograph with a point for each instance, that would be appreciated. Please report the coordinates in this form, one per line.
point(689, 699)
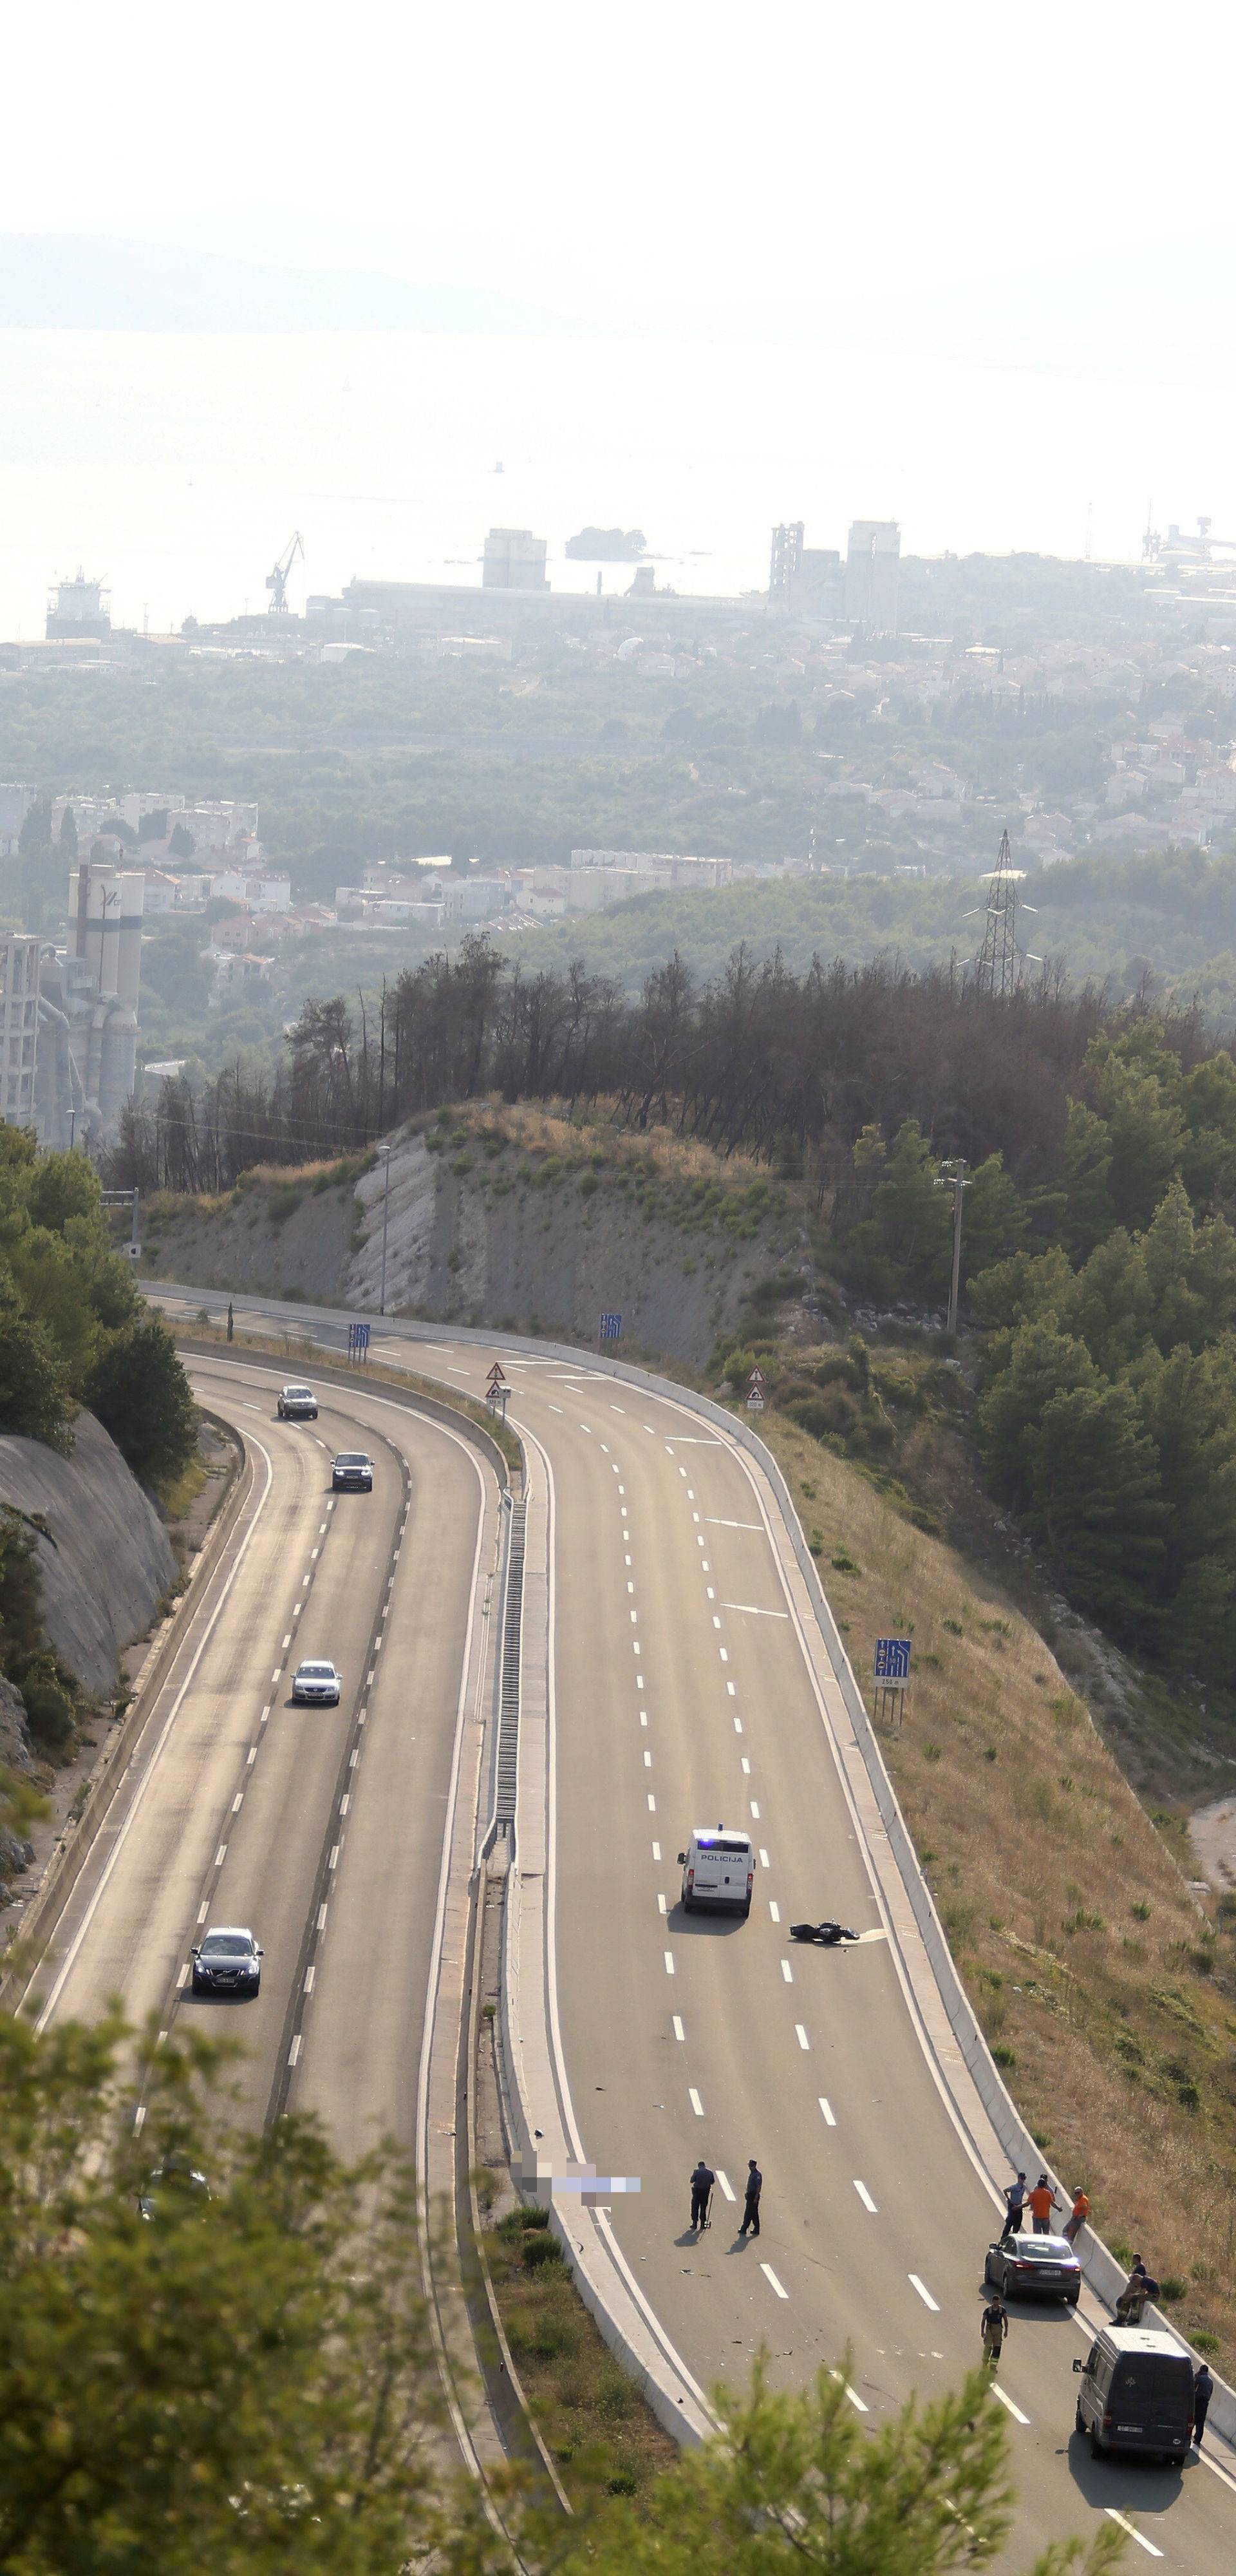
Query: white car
point(316, 1685)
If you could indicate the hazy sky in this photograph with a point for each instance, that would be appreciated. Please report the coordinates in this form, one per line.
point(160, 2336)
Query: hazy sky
point(678, 166)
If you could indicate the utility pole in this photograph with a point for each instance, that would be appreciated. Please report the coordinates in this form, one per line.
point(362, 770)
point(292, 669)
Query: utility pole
point(386, 1209)
point(952, 1176)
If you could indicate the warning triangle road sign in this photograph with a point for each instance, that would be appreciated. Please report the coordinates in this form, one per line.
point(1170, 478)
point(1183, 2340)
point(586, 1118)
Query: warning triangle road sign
point(497, 1375)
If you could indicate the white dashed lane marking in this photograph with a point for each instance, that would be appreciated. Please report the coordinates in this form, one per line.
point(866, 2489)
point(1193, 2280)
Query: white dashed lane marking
point(865, 2197)
point(827, 2109)
point(1006, 2400)
point(852, 2393)
point(924, 2293)
point(773, 2283)
point(1113, 2516)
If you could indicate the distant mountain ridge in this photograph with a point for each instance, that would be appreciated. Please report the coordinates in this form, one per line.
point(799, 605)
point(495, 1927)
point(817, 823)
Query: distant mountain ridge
point(74, 282)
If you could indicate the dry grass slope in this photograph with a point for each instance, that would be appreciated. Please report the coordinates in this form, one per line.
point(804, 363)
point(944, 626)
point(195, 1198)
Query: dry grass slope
point(592, 1136)
point(1103, 1985)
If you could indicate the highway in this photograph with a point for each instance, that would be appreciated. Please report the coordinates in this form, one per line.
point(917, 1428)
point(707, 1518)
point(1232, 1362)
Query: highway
point(683, 1695)
point(322, 1829)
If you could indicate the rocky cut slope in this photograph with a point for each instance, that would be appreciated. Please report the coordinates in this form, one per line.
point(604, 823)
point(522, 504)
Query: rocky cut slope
point(102, 1555)
point(505, 1216)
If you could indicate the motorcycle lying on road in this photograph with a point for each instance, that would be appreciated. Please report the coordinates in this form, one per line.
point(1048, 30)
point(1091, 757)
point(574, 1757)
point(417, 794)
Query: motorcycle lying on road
point(825, 1935)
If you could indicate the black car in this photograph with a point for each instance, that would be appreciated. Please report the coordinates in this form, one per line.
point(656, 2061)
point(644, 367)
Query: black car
point(1035, 2267)
point(352, 1470)
point(226, 1961)
point(174, 2190)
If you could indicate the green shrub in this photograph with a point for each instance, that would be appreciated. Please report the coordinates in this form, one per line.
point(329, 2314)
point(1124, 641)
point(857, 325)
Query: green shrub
point(140, 1393)
point(833, 1416)
point(34, 1382)
point(49, 1702)
point(539, 2250)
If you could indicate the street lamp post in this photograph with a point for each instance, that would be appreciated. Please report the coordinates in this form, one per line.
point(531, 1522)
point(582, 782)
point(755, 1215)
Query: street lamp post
point(952, 1176)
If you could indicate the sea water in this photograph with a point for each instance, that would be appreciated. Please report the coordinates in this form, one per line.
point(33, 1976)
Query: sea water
point(176, 467)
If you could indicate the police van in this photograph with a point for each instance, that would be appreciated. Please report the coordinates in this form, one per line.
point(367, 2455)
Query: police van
point(717, 1868)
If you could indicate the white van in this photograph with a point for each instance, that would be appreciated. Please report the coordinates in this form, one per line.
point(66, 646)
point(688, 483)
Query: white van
point(717, 1868)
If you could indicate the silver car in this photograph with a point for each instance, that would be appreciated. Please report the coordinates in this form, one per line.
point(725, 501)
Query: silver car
point(316, 1685)
point(297, 1404)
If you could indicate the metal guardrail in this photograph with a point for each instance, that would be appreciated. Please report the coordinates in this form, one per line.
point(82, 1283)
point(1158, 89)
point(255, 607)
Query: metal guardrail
point(507, 1765)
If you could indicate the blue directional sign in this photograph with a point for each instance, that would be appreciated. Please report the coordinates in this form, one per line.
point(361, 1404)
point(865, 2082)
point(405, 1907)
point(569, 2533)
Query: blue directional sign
point(358, 1341)
point(892, 1660)
point(611, 1328)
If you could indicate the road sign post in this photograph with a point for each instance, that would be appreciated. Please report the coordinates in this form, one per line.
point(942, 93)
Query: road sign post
point(890, 1675)
point(609, 1329)
point(755, 1390)
point(358, 1345)
point(497, 1390)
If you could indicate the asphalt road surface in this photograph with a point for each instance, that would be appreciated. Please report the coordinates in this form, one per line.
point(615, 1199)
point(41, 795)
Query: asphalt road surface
point(683, 1697)
point(320, 1828)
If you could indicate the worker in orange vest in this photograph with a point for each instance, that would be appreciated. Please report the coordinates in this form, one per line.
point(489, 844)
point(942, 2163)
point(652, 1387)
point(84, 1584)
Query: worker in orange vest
point(1077, 2216)
point(1042, 2202)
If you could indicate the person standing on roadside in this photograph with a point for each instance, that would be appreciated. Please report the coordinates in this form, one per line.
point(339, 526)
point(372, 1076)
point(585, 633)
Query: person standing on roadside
point(1042, 2202)
point(993, 2326)
point(1014, 2208)
point(1077, 2216)
point(751, 2199)
point(1203, 2391)
point(702, 2181)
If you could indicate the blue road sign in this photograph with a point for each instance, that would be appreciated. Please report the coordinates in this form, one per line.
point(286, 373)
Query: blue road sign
point(611, 1328)
point(358, 1341)
point(892, 1660)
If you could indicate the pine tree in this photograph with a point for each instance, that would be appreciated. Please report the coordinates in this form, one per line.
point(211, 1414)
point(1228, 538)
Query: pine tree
point(1029, 1368)
point(1089, 1214)
point(1168, 1246)
point(1096, 1501)
point(994, 1220)
point(1146, 1134)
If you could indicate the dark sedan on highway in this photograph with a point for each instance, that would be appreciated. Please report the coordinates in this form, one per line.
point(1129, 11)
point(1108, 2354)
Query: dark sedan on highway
point(352, 1472)
point(226, 1961)
point(1034, 2267)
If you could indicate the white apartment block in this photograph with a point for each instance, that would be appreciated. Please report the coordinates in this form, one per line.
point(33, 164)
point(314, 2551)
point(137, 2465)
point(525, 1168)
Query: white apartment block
point(19, 1026)
point(217, 823)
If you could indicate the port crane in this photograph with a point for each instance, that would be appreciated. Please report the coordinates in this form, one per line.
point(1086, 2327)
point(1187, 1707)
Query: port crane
point(279, 575)
point(1177, 548)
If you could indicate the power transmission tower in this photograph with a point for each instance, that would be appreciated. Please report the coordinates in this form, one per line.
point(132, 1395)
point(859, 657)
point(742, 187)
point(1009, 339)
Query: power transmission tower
point(998, 965)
